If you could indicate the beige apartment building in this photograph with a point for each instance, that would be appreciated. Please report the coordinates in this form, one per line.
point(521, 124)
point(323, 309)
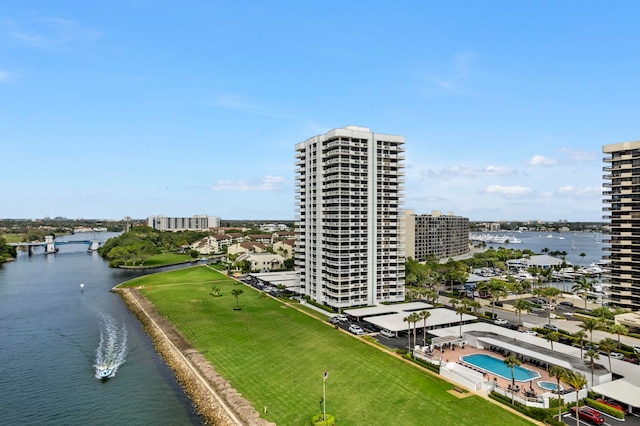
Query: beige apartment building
point(437, 234)
point(195, 223)
point(622, 206)
point(349, 194)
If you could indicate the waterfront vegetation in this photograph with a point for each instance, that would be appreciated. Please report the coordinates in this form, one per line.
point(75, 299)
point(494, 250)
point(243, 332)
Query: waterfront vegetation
point(7, 252)
point(275, 356)
point(145, 247)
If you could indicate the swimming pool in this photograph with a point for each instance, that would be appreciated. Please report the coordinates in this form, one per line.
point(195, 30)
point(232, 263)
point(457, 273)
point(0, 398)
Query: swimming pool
point(497, 366)
point(550, 386)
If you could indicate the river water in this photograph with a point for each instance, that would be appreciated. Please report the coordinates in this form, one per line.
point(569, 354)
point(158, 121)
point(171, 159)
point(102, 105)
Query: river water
point(581, 248)
point(52, 334)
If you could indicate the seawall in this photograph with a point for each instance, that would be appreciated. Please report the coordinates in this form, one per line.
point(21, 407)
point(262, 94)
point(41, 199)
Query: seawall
point(214, 398)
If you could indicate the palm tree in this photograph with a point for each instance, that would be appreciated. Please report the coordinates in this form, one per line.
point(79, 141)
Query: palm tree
point(558, 373)
point(497, 290)
point(582, 284)
point(618, 329)
point(580, 335)
point(236, 292)
point(460, 307)
point(592, 356)
point(414, 318)
point(549, 293)
point(554, 336)
point(424, 315)
point(589, 324)
point(521, 305)
point(511, 361)
point(475, 305)
point(607, 345)
point(575, 381)
point(408, 319)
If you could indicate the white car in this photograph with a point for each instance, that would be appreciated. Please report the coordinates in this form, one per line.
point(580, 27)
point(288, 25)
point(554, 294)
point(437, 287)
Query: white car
point(387, 333)
point(636, 349)
point(341, 318)
point(501, 321)
point(356, 329)
point(530, 332)
point(616, 355)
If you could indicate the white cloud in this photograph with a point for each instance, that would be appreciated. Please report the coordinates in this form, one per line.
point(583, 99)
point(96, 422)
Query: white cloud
point(268, 183)
point(49, 32)
point(4, 76)
point(510, 191)
point(461, 69)
point(580, 155)
point(541, 160)
point(580, 192)
point(464, 171)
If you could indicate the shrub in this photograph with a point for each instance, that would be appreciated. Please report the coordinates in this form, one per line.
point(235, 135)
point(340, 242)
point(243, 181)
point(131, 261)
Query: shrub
point(604, 408)
point(319, 420)
point(541, 414)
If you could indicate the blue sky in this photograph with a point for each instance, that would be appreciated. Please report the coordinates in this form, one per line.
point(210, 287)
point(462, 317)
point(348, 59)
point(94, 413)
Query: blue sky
point(137, 108)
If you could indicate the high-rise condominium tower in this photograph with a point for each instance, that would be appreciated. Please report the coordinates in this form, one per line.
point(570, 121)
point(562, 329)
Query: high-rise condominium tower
point(349, 194)
point(622, 194)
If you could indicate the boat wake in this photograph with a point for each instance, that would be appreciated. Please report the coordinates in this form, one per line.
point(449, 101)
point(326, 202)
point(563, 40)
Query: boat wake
point(112, 350)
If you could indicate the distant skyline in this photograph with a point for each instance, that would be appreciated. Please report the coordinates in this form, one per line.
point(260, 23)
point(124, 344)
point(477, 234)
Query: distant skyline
point(139, 108)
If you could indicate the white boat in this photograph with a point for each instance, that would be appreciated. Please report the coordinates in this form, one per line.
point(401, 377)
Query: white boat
point(104, 373)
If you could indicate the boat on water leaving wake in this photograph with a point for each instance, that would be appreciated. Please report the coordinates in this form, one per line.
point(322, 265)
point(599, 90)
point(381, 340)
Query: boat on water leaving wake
point(104, 373)
point(112, 350)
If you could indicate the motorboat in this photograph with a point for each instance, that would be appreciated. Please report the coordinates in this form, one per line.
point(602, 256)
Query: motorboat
point(104, 373)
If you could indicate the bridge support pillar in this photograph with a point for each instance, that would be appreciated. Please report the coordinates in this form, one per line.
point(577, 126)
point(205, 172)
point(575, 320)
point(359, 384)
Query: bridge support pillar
point(51, 245)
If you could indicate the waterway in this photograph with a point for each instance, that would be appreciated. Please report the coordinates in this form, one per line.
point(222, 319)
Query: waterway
point(581, 248)
point(53, 333)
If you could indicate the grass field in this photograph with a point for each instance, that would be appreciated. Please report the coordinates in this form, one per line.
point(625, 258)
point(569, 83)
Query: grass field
point(275, 356)
point(167, 259)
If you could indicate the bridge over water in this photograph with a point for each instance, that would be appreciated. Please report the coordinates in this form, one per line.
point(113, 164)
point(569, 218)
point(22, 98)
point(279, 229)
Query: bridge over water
point(51, 245)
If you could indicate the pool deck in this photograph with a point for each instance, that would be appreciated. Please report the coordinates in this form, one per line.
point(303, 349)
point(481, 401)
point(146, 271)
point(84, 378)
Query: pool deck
point(454, 355)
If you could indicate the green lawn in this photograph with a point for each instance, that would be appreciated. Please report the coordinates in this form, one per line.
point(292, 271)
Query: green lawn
point(167, 259)
point(275, 357)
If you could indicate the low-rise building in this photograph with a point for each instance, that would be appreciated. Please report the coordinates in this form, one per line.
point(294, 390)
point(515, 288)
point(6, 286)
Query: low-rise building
point(246, 247)
point(263, 262)
point(212, 244)
point(284, 248)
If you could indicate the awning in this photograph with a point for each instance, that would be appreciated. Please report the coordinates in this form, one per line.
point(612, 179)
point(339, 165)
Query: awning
point(620, 390)
point(439, 342)
point(518, 348)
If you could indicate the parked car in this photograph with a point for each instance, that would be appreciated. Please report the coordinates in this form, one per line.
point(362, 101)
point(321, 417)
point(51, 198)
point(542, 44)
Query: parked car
point(501, 321)
point(387, 333)
point(551, 327)
point(566, 303)
point(636, 349)
point(356, 329)
point(341, 318)
point(334, 320)
point(611, 403)
point(530, 332)
point(588, 414)
point(616, 355)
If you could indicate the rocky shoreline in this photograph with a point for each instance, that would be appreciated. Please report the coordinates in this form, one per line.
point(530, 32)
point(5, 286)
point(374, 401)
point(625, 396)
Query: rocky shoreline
point(214, 398)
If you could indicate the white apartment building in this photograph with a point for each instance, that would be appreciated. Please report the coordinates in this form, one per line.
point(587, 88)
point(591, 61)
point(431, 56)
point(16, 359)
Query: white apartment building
point(196, 223)
point(349, 194)
point(622, 199)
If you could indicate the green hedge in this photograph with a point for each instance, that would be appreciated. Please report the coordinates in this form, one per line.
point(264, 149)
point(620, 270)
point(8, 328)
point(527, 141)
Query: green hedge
point(541, 414)
point(604, 408)
point(427, 365)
